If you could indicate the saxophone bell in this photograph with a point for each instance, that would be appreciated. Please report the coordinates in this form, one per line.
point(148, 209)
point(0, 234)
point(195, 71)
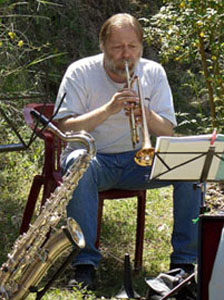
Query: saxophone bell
point(76, 233)
point(69, 235)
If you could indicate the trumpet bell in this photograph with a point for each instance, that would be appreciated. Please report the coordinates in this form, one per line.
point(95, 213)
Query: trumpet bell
point(144, 157)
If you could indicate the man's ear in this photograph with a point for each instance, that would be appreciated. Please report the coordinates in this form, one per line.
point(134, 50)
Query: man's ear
point(101, 47)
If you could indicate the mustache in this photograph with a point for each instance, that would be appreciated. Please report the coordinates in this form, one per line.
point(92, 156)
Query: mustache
point(118, 67)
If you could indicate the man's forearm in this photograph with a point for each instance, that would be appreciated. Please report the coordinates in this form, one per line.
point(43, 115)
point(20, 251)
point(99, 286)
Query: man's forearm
point(158, 126)
point(87, 122)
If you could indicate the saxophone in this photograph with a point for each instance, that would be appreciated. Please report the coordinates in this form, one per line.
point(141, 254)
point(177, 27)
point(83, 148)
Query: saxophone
point(33, 254)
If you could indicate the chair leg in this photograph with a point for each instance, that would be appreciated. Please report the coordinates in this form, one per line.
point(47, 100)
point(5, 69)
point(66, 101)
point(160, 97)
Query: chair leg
point(140, 231)
point(49, 187)
point(31, 202)
point(99, 221)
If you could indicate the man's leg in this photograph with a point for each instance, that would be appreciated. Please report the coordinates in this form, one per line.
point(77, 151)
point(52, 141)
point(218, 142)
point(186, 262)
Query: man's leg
point(83, 207)
point(187, 202)
point(186, 207)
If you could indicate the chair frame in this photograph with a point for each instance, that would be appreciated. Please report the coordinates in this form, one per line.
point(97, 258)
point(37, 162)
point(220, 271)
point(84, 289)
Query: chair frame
point(51, 178)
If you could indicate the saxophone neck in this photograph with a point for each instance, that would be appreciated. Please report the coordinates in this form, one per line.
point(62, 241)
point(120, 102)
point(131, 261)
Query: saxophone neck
point(81, 136)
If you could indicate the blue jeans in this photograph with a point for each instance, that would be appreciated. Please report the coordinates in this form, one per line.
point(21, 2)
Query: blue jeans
point(119, 171)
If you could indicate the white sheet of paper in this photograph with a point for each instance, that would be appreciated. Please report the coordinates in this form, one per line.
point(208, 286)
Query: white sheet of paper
point(184, 149)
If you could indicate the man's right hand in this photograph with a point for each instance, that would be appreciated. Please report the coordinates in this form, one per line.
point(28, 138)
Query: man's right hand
point(123, 99)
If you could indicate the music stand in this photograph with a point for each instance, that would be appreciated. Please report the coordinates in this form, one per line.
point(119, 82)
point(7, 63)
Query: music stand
point(174, 160)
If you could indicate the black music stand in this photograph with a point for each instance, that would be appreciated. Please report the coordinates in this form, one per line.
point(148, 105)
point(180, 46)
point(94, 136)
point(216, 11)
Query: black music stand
point(175, 161)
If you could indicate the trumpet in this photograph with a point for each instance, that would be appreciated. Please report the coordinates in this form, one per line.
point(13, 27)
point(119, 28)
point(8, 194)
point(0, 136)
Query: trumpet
point(144, 156)
point(133, 127)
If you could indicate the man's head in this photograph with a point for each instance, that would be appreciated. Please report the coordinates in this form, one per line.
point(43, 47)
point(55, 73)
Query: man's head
point(120, 40)
point(118, 21)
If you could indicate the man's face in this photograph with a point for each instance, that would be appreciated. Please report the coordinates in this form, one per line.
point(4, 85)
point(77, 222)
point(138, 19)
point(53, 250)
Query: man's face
point(122, 45)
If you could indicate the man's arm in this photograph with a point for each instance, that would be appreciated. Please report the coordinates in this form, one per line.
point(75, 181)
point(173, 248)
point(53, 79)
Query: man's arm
point(157, 125)
point(89, 121)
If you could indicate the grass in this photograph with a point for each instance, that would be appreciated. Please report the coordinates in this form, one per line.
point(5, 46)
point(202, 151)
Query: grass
point(117, 236)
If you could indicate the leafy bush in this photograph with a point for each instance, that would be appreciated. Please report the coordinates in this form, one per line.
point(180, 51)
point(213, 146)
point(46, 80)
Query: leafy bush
point(191, 32)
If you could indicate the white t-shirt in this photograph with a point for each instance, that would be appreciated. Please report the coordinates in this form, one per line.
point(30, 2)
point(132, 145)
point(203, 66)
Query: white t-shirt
point(87, 87)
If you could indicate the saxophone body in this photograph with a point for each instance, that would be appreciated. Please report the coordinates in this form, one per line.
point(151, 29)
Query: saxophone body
point(52, 250)
point(33, 254)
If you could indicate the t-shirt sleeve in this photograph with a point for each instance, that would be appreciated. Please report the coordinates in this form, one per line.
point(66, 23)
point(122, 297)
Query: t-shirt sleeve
point(75, 99)
point(161, 100)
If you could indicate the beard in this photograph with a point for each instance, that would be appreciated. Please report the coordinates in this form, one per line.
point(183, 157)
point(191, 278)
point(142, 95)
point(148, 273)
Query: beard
point(118, 68)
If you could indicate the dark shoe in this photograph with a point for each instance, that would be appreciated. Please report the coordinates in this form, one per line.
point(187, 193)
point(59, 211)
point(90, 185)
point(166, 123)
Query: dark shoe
point(84, 277)
point(188, 268)
point(188, 291)
point(166, 283)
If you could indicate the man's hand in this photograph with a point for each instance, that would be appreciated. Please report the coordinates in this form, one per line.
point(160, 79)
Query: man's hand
point(123, 99)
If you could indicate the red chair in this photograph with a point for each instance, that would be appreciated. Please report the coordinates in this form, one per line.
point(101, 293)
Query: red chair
point(51, 177)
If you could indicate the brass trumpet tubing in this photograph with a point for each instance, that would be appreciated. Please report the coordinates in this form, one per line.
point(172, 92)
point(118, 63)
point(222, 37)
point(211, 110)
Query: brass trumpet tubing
point(134, 134)
point(128, 77)
point(133, 127)
point(144, 156)
point(146, 139)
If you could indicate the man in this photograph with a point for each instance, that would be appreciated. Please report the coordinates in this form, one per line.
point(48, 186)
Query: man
point(99, 101)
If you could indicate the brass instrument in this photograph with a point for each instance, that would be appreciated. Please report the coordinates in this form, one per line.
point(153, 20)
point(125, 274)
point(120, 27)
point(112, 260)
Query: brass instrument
point(134, 128)
point(145, 155)
point(32, 254)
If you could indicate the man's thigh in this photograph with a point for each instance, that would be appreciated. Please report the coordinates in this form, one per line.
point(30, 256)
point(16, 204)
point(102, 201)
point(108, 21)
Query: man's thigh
point(138, 177)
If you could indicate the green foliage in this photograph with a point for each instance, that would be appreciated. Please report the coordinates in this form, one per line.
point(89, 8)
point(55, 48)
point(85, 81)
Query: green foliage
point(191, 32)
point(17, 169)
point(17, 49)
point(39, 39)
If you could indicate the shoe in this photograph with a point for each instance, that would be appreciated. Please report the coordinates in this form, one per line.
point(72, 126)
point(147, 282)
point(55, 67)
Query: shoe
point(166, 283)
point(189, 291)
point(84, 277)
point(188, 268)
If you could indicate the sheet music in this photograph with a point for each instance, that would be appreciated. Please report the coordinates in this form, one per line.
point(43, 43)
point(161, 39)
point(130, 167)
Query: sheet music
point(182, 158)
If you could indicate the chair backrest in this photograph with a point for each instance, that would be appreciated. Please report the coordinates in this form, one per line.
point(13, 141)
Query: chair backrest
point(51, 171)
point(53, 145)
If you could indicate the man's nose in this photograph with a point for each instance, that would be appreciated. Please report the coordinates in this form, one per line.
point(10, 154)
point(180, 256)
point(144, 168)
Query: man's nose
point(126, 52)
